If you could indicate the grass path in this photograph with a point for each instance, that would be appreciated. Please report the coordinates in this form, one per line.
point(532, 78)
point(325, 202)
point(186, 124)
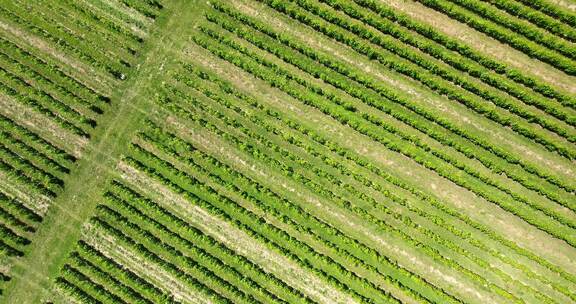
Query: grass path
point(62, 224)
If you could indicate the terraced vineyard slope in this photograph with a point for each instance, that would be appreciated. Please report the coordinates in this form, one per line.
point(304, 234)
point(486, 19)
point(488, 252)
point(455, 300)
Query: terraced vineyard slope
point(294, 151)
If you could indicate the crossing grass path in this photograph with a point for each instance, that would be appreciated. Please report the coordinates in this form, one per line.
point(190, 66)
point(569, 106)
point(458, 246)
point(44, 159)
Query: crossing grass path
point(295, 151)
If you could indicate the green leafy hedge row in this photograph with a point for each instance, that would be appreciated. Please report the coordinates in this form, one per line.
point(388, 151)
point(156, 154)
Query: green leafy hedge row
point(40, 159)
point(365, 256)
point(536, 17)
point(140, 286)
point(85, 285)
point(105, 279)
point(182, 258)
point(124, 35)
point(115, 226)
point(75, 292)
point(151, 211)
point(47, 85)
point(423, 76)
point(274, 238)
point(389, 107)
point(463, 146)
point(59, 157)
point(455, 45)
point(54, 73)
point(289, 162)
point(508, 37)
point(45, 181)
point(399, 48)
point(61, 39)
point(533, 33)
point(58, 107)
point(549, 222)
point(314, 186)
point(75, 24)
point(20, 210)
point(455, 60)
point(243, 288)
point(551, 10)
point(391, 217)
point(339, 152)
point(37, 106)
point(336, 164)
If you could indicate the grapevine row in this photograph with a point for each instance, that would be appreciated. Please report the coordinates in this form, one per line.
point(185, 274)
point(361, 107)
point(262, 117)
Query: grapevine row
point(52, 72)
point(47, 32)
point(505, 36)
point(47, 83)
point(488, 12)
point(61, 109)
point(321, 157)
point(124, 240)
point(363, 256)
point(421, 75)
point(273, 237)
point(554, 228)
point(538, 187)
point(192, 249)
point(540, 19)
point(388, 108)
point(455, 45)
point(151, 210)
point(360, 161)
point(319, 175)
point(32, 154)
point(460, 63)
point(113, 269)
point(171, 254)
point(551, 11)
point(58, 155)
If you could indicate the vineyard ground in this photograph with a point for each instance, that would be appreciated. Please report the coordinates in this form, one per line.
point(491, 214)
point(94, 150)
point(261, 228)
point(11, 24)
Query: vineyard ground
point(60, 229)
point(219, 140)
